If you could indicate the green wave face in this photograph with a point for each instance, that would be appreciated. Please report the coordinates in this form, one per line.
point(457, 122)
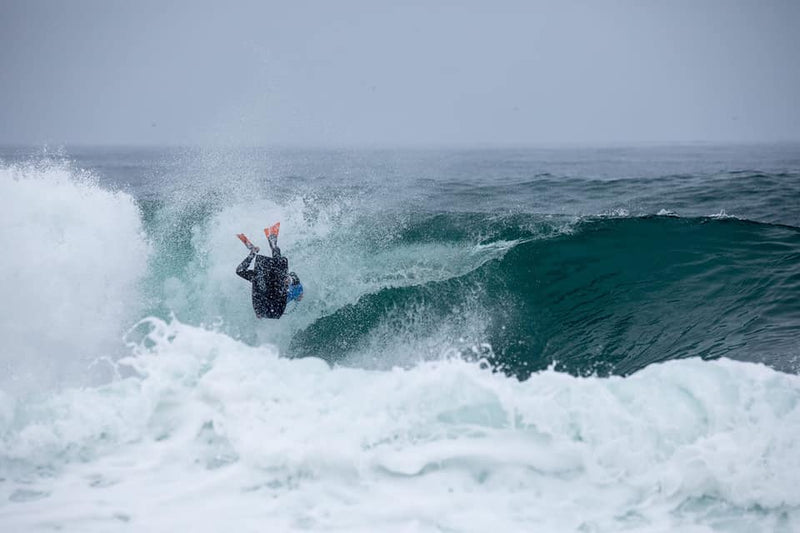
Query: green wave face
point(610, 296)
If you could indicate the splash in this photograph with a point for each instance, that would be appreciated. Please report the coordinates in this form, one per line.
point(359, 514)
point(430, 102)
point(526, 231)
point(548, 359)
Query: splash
point(73, 254)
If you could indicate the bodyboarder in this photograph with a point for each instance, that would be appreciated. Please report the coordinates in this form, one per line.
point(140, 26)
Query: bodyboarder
point(273, 285)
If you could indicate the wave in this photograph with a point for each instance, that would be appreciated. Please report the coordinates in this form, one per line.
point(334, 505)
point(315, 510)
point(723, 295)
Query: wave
point(608, 295)
point(205, 418)
point(599, 294)
point(73, 256)
point(192, 414)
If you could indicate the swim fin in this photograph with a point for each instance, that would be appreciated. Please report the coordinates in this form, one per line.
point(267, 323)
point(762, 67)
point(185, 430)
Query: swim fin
point(272, 230)
point(250, 246)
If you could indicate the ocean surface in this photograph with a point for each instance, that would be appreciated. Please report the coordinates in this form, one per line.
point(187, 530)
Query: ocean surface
point(541, 339)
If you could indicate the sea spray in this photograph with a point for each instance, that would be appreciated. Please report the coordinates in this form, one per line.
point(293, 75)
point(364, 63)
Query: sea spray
point(73, 254)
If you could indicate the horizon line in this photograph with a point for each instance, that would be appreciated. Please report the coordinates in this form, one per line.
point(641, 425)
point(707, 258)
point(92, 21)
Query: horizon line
point(55, 147)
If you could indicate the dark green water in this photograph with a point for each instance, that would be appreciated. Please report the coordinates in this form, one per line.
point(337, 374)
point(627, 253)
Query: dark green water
point(612, 295)
point(595, 260)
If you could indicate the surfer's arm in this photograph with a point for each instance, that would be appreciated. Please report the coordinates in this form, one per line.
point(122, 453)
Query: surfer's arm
point(242, 271)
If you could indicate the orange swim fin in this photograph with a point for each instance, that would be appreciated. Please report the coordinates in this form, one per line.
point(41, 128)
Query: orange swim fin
point(272, 230)
point(246, 241)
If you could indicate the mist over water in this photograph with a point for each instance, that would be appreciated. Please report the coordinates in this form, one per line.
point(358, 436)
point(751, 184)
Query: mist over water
point(598, 339)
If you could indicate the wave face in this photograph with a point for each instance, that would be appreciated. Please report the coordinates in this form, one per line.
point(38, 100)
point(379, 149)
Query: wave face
point(611, 295)
point(559, 340)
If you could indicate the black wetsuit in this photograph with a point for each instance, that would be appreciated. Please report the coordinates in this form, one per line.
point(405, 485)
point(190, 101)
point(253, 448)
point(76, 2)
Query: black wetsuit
point(269, 282)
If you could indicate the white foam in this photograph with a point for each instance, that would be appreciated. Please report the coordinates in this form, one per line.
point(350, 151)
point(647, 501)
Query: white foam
point(214, 434)
point(618, 212)
point(72, 255)
point(722, 215)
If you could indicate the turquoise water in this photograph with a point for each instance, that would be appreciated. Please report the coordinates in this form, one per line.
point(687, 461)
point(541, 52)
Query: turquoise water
point(597, 260)
point(609, 295)
point(593, 339)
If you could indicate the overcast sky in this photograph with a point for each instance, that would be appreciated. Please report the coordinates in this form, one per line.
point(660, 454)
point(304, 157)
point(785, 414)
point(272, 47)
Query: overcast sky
point(398, 73)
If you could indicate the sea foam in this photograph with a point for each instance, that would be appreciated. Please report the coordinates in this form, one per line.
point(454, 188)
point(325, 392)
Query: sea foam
point(209, 433)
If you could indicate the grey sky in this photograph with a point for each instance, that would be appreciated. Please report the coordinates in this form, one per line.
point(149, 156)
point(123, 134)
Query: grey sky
point(331, 73)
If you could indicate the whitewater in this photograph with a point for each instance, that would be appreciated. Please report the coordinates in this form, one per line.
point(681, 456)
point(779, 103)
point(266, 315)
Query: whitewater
point(493, 358)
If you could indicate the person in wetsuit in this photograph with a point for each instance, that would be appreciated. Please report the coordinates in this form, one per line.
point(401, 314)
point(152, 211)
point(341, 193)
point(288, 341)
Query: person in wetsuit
point(273, 285)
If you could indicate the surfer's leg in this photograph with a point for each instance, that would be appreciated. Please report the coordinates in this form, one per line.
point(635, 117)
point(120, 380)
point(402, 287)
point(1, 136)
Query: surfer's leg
point(242, 271)
point(273, 245)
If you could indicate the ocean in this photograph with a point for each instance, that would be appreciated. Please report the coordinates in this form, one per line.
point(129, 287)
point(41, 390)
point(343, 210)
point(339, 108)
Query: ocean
point(541, 339)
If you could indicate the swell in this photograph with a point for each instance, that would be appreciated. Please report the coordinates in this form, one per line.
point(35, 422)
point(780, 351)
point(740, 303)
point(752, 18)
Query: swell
point(611, 296)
